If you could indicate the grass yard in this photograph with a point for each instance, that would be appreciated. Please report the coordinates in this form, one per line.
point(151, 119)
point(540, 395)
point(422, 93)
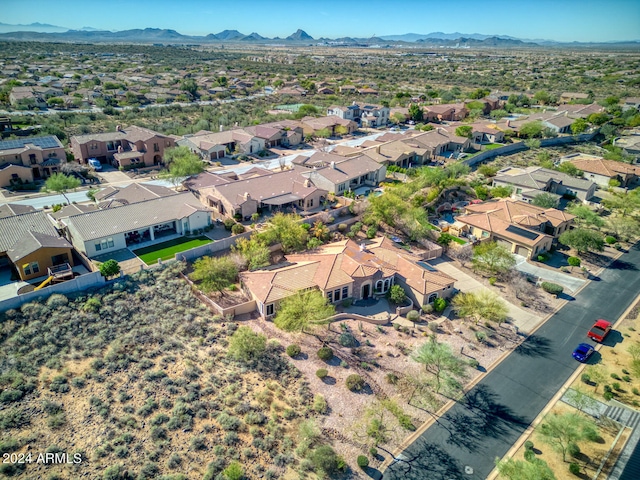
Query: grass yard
point(493, 146)
point(168, 250)
point(458, 240)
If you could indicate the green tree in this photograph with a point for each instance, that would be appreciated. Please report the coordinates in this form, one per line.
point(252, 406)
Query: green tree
point(531, 129)
point(542, 97)
point(214, 273)
point(444, 239)
point(545, 200)
point(501, 191)
point(532, 143)
point(181, 163)
point(492, 258)
point(464, 131)
point(446, 369)
point(189, 85)
point(304, 310)
point(598, 118)
point(624, 204)
point(254, 251)
point(585, 216)
point(597, 375)
point(560, 431)
point(570, 169)
point(581, 399)
point(481, 305)
point(488, 170)
point(397, 294)
point(61, 183)
point(511, 469)
point(582, 240)
point(246, 345)
point(324, 458)
point(341, 130)
point(397, 118)
point(415, 112)
point(287, 230)
point(323, 133)
point(579, 126)
point(573, 262)
point(109, 268)
point(479, 93)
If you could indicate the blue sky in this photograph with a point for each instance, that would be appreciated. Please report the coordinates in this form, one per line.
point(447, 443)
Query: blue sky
point(562, 20)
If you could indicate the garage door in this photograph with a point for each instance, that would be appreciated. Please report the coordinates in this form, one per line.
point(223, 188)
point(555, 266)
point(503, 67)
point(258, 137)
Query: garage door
point(504, 243)
point(522, 251)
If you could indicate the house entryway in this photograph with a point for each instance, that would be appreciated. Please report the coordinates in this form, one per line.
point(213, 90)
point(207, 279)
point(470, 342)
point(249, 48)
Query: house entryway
point(366, 291)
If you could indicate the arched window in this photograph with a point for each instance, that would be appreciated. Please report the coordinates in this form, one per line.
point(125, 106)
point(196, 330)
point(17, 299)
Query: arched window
point(387, 285)
point(432, 297)
point(379, 286)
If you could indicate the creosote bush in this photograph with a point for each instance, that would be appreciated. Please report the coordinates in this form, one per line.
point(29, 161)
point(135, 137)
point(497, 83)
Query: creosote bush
point(325, 353)
point(355, 382)
point(293, 350)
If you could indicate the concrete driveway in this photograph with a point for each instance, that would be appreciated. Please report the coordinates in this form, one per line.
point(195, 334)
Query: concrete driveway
point(109, 174)
point(567, 281)
point(525, 320)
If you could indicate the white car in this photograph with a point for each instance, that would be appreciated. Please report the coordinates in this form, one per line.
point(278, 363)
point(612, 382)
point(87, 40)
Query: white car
point(95, 163)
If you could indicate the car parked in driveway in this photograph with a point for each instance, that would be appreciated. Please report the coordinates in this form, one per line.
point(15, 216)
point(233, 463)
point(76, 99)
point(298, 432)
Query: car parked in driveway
point(599, 330)
point(583, 352)
point(95, 163)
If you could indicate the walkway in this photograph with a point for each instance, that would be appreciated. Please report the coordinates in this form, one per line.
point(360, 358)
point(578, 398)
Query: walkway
point(627, 466)
point(567, 281)
point(525, 321)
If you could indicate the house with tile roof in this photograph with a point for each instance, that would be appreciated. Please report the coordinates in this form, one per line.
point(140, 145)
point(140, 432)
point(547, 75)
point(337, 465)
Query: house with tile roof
point(129, 147)
point(10, 209)
point(602, 171)
point(258, 189)
point(30, 158)
point(136, 192)
point(31, 245)
point(347, 270)
point(521, 228)
point(111, 229)
point(529, 182)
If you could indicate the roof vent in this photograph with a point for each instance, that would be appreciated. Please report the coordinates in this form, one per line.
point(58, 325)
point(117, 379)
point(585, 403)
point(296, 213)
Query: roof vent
point(362, 247)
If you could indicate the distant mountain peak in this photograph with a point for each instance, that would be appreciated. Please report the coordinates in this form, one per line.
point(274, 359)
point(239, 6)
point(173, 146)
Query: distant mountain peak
point(300, 35)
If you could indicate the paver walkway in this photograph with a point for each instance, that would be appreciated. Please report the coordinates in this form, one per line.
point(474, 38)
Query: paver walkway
point(525, 321)
point(627, 466)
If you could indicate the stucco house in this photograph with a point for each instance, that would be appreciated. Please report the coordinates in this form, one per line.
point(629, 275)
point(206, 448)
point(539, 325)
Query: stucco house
point(523, 229)
point(531, 181)
point(30, 243)
point(348, 270)
point(30, 158)
point(130, 147)
point(602, 171)
point(111, 229)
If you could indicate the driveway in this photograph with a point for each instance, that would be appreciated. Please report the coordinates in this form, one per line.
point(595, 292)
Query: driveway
point(109, 174)
point(464, 442)
point(567, 281)
point(525, 320)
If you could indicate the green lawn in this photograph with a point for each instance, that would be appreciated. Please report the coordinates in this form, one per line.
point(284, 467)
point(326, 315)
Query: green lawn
point(458, 240)
point(168, 250)
point(492, 146)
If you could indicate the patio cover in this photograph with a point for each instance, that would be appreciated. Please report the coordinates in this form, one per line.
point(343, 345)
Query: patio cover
point(282, 199)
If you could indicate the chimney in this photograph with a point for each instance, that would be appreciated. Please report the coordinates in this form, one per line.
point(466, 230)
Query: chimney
point(509, 123)
point(222, 128)
point(362, 247)
point(333, 165)
point(119, 148)
point(118, 128)
point(246, 196)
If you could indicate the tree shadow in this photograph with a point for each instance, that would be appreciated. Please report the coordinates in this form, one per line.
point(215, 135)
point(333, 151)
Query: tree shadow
point(534, 345)
point(566, 296)
point(623, 265)
point(301, 356)
point(432, 462)
point(372, 472)
point(333, 361)
point(482, 417)
point(329, 380)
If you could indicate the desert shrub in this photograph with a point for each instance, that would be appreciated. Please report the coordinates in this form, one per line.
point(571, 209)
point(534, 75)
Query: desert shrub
point(59, 384)
point(342, 227)
point(492, 281)
point(57, 300)
point(608, 395)
point(237, 228)
point(347, 340)
point(322, 373)
point(528, 445)
point(233, 472)
point(78, 382)
point(9, 445)
point(293, 350)
point(574, 468)
point(573, 449)
point(148, 408)
point(552, 288)
point(439, 304)
point(392, 378)
point(413, 316)
point(319, 404)
point(610, 240)
point(355, 382)
point(149, 470)
point(228, 422)
point(363, 461)
point(174, 461)
point(615, 376)
point(573, 261)
point(529, 455)
point(586, 378)
point(481, 336)
point(616, 386)
point(10, 395)
point(325, 459)
point(428, 308)
point(325, 353)
point(254, 418)
point(198, 443)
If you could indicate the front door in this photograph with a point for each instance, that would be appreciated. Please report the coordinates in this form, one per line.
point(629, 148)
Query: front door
point(36, 172)
point(366, 291)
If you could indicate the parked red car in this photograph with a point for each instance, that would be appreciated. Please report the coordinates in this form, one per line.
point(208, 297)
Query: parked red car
point(599, 330)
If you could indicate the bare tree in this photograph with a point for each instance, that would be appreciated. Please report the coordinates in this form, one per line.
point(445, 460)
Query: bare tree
point(462, 254)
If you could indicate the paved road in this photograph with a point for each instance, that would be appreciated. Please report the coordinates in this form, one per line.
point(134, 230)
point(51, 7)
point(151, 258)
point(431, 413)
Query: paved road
point(496, 412)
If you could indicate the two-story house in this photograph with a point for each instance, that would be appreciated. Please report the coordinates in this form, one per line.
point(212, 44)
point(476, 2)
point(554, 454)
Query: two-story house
point(130, 147)
point(30, 158)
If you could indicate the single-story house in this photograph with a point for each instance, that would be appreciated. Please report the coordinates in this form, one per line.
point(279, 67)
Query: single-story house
point(602, 171)
point(347, 270)
point(111, 229)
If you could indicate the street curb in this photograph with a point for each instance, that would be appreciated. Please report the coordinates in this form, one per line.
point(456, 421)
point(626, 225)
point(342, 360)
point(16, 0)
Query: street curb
point(427, 424)
point(527, 433)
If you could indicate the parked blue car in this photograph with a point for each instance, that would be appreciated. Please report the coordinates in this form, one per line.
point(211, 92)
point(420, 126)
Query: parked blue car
point(583, 352)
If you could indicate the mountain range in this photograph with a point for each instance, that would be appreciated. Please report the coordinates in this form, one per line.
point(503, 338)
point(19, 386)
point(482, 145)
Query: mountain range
point(47, 33)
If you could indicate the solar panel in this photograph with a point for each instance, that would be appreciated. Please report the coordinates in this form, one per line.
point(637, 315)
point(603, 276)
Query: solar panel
point(42, 142)
point(522, 232)
point(427, 267)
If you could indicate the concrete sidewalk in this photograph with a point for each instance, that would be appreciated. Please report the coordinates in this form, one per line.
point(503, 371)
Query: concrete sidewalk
point(525, 320)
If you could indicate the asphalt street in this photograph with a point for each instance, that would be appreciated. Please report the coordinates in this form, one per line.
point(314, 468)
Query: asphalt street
point(483, 426)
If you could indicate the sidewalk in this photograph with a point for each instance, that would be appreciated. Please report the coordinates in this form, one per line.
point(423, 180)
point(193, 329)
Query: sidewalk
point(525, 321)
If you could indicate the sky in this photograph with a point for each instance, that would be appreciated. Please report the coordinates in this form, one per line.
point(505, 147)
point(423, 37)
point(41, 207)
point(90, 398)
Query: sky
point(560, 20)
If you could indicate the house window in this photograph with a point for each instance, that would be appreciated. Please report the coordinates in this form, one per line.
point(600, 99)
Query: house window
point(111, 146)
point(336, 295)
point(31, 268)
point(432, 297)
point(379, 285)
point(345, 292)
point(330, 296)
point(270, 309)
point(32, 159)
point(156, 147)
point(311, 202)
point(98, 247)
